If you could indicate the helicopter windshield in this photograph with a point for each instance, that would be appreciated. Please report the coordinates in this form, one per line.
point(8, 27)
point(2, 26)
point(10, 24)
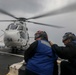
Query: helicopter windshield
point(12, 26)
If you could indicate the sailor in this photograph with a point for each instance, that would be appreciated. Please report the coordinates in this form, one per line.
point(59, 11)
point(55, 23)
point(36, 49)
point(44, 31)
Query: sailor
point(67, 52)
point(39, 56)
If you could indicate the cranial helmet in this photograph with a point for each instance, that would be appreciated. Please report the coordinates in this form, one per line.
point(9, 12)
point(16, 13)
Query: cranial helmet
point(41, 34)
point(69, 35)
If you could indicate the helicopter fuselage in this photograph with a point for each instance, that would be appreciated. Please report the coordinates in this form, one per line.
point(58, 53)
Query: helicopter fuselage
point(16, 36)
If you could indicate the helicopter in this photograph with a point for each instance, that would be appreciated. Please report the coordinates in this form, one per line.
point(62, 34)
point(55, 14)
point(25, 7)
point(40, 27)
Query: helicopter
point(16, 34)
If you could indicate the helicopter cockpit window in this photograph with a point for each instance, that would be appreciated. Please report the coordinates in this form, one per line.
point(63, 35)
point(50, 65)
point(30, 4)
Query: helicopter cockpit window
point(8, 27)
point(13, 27)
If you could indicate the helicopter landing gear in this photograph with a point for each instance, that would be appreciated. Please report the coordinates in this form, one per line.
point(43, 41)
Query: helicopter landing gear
point(14, 50)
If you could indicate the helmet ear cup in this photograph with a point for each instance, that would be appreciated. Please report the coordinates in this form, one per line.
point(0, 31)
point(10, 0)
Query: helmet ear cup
point(69, 35)
point(38, 34)
point(44, 35)
point(41, 34)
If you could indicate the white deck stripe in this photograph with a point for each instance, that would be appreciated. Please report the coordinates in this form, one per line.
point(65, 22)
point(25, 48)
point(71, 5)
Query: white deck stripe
point(11, 54)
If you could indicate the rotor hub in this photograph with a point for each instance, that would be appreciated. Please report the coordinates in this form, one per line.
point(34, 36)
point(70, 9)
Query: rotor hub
point(22, 19)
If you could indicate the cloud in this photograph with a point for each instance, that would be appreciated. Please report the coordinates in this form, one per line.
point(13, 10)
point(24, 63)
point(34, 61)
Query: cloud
point(29, 6)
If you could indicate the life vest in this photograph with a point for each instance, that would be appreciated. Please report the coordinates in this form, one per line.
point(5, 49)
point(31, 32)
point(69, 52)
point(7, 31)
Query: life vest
point(42, 62)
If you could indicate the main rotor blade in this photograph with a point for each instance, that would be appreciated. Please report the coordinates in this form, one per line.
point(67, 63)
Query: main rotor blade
point(66, 9)
point(6, 13)
point(45, 24)
point(7, 20)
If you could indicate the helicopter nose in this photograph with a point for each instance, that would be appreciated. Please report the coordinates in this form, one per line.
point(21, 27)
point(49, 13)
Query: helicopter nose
point(10, 36)
point(9, 39)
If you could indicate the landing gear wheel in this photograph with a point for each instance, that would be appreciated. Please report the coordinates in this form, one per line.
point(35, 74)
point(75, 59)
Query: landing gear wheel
point(14, 50)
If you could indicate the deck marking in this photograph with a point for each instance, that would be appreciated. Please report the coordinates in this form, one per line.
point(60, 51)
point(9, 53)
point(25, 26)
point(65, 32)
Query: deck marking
point(11, 54)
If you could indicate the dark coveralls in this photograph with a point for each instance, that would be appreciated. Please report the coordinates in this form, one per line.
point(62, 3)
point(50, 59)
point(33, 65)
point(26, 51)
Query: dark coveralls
point(69, 53)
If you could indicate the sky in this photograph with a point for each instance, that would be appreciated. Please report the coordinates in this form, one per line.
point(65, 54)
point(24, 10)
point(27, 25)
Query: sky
point(30, 8)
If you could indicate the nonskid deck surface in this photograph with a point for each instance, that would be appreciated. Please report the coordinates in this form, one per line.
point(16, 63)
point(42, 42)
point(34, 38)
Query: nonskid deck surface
point(7, 59)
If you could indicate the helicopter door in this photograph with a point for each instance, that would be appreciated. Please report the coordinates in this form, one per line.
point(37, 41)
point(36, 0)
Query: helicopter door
point(23, 37)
